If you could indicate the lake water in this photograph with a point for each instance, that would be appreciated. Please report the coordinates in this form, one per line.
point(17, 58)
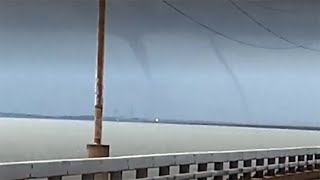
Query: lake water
point(35, 139)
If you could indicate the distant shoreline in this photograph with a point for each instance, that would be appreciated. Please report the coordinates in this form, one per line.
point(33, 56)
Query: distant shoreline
point(161, 121)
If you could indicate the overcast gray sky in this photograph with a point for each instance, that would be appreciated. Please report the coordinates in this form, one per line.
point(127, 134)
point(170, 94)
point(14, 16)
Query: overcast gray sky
point(161, 63)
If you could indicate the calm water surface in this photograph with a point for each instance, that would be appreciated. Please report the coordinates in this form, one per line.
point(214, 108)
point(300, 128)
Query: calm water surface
point(35, 139)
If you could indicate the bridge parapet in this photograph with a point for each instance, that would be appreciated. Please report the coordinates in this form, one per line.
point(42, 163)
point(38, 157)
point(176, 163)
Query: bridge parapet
point(241, 164)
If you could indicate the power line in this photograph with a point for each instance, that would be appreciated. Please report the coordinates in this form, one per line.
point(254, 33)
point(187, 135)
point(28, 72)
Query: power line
point(222, 34)
point(234, 78)
point(220, 58)
point(270, 8)
point(268, 29)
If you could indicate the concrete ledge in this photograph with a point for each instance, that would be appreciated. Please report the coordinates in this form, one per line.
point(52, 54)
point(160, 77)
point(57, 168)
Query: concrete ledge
point(15, 171)
point(43, 169)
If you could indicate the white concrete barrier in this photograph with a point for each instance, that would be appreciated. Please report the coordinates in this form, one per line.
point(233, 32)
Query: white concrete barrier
point(57, 169)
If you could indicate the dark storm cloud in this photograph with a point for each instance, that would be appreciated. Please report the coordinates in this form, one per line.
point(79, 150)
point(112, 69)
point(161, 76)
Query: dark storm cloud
point(160, 61)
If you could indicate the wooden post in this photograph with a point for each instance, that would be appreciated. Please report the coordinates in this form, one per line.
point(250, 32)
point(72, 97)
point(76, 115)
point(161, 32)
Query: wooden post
point(97, 149)
point(99, 74)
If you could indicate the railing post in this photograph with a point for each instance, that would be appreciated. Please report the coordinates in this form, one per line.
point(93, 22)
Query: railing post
point(116, 175)
point(233, 165)
point(310, 167)
point(184, 169)
point(141, 173)
point(202, 167)
point(163, 171)
point(218, 166)
point(259, 162)
point(282, 161)
point(292, 159)
point(247, 163)
point(301, 158)
point(271, 161)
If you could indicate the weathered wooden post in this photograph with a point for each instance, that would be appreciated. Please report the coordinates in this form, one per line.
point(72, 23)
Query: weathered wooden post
point(98, 149)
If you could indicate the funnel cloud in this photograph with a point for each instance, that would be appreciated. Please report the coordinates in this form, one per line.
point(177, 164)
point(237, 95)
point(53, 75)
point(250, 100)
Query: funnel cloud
point(237, 61)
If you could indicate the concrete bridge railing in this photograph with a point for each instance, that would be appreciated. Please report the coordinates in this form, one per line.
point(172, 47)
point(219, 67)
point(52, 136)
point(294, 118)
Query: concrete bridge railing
point(244, 164)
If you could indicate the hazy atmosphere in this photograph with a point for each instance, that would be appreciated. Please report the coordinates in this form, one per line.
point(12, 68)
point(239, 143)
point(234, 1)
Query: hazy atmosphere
point(232, 61)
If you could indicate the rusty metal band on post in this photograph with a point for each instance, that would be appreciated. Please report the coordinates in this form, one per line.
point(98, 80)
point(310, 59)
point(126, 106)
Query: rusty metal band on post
point(99, 73)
